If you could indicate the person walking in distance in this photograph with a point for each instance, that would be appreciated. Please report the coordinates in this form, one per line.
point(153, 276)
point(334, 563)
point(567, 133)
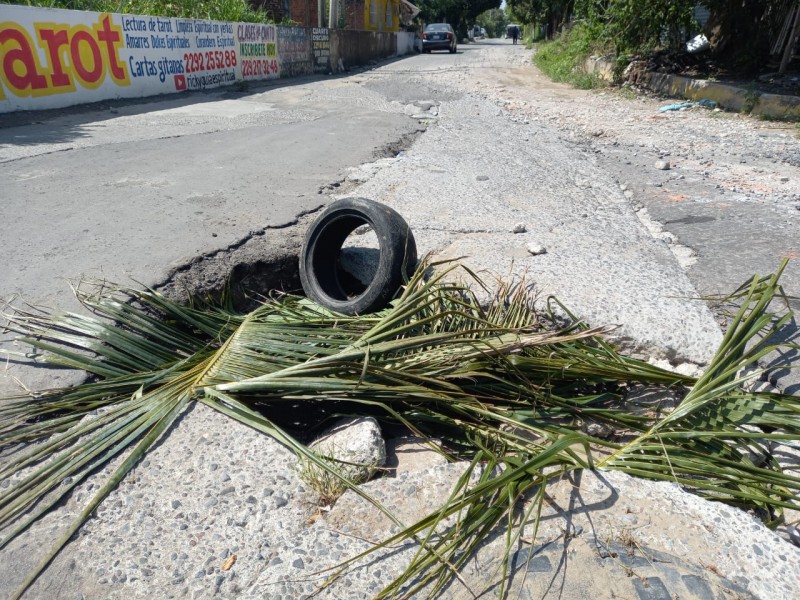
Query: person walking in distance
point(514, 34)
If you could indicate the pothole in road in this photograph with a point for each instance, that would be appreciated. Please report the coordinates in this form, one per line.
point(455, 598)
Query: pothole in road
point(393, 149)
point(268, 261)
point(265, 263)
point(403, 143)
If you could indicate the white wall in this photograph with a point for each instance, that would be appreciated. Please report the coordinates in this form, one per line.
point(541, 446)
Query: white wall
point(405, 42)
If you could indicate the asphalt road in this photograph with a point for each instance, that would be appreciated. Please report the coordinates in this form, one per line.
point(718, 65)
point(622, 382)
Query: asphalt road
point(183, 190)
point(130, 192)
point(176, 191)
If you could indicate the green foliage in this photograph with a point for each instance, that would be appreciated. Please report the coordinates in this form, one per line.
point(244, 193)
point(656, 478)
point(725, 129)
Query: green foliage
point(562, 59)
point(494, 21)
point(503, 389)
point(741, 33)
point(628, 25)
point(459, 13)
point(526, 11)
point(218, 10)
point(751, 98)
point(546, 15)
point(332, 480)
point(639, 25)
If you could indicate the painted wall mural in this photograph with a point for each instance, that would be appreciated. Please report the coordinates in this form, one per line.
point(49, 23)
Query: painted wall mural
point(51, 58)
point(294, 51)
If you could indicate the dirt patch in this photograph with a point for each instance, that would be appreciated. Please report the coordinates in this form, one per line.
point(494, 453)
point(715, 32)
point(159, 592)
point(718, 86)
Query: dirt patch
point(265, 262)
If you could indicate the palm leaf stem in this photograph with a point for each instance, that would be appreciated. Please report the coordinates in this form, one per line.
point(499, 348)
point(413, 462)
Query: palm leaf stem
point(159, 421)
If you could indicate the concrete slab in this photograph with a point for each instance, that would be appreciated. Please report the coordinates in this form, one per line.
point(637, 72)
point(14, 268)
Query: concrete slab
point(476, 174)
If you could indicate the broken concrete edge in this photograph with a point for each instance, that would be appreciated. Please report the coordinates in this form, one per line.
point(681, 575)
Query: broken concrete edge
point(688, 533)
point(730, 97)
point(258, 265)
point(263, 266)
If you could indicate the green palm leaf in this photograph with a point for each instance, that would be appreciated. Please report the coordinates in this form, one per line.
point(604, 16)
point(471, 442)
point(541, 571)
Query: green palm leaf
point(503, 388)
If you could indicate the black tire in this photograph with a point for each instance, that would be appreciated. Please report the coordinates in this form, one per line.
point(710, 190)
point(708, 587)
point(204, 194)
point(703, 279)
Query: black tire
point(320, 272)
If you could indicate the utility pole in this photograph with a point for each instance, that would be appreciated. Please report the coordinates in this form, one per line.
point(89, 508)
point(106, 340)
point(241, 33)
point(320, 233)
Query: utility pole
point(333, 17)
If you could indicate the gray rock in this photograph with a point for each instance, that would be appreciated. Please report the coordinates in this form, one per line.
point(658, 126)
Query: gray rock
point(662, 165)
point(536, 249)
point(354, 440)
point(519, 228)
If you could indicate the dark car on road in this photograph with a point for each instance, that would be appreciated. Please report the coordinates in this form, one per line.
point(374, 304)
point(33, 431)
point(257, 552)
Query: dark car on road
point(439, 36)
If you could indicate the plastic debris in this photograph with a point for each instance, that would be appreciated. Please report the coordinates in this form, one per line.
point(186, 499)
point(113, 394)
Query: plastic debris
point(705, 103)
point(698, 43)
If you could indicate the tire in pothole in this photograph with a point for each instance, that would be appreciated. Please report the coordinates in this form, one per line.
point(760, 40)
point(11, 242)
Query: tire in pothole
point(321, 273)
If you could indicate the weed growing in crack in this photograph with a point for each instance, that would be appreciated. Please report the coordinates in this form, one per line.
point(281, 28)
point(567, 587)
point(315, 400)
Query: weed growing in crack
point(751, 97)
point(331, 482)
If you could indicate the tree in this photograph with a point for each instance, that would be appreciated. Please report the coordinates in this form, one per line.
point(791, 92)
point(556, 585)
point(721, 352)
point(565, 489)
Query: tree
point(494, 21)
point(550, 15)
point(459, 13)
point(741, 31)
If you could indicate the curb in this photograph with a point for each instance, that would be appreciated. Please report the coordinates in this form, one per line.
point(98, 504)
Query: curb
point(730, 97)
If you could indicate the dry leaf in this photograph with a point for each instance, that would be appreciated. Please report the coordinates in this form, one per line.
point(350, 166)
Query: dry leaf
point(712, 568)
point(677, 197)
point(229, 563)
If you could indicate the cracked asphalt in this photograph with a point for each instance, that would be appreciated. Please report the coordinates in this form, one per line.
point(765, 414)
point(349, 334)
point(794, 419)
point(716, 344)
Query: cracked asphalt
point(141, 191)
point(184, 192)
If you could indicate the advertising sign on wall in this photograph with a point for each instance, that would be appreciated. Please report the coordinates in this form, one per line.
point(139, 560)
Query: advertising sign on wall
point(321, 49)
point(258, 49)
point(51, 58)
point(61, 57)
point(294, 51)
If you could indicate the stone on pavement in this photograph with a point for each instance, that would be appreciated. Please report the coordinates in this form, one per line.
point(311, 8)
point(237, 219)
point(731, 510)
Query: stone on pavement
point(355, 440)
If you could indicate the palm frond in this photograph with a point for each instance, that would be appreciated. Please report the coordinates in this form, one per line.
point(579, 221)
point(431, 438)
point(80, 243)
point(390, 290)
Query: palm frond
point(502, 386)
